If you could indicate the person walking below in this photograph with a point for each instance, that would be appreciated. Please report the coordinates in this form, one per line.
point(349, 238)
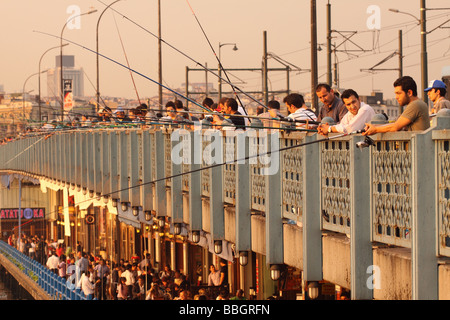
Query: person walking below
point(52, 263)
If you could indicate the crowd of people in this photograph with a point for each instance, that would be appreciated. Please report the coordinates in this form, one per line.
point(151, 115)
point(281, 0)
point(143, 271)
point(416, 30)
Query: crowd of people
point(340, 112)
point(133, 279)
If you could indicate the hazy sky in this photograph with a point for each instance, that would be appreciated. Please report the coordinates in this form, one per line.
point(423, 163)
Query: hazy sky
point(287, 23)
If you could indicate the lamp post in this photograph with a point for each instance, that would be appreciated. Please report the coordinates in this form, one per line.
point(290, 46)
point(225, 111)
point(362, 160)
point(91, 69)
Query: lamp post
point(423, 42)
point(275, 272)
point(23, 90)
point(235, 48)
point(423, 51)
point(98, 68)
point(61, 58)
point(40, 60)
point(314, 76)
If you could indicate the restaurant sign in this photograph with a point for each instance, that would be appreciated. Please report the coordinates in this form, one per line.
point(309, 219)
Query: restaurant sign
point(26, 213)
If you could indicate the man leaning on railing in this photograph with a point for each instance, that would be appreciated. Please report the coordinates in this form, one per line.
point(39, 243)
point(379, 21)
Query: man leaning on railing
point(415, 117)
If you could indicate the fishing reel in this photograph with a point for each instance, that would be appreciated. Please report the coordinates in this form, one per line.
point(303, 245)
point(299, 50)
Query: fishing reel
point(368, 141)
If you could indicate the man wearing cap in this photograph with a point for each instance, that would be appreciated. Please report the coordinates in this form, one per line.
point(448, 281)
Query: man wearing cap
point(436, 92)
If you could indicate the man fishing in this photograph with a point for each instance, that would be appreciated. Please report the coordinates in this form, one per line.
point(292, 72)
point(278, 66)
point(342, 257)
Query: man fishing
point(415, 116)
point(332, 105)
point(357, 116)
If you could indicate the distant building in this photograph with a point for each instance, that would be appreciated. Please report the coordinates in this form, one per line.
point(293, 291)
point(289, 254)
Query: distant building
point(446, 79)
point(69, 72)
point(376, 101)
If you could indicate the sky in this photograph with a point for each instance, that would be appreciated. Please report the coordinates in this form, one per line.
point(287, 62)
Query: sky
point(26, 26)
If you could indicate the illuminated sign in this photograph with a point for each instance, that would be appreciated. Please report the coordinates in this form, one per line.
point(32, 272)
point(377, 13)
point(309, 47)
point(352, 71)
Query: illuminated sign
point(26, 213)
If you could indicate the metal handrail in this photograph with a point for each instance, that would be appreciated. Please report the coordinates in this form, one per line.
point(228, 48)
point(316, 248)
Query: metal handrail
point(54, 285)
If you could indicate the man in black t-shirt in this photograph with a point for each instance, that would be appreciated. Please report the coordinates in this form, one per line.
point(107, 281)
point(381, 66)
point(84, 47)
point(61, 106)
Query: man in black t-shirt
point(231, 107)
point(223, 273)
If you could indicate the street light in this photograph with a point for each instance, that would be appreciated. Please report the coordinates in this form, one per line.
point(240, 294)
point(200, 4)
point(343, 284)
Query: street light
point(177, 228)
point(136, 210)
point(423, 34)
point(195, 236)
point(98, 72)
point(409, 14)
point(275, 272)
point(235, 48)
point(243, 258)
point(217, 246)
point(313, 290)
point(61, 58)
point(423, 40)
point(23, 91)
point(40, 60)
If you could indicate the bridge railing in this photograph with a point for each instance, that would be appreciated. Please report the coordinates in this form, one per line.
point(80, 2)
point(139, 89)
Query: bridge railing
point(55, 286)
point(442, 141)
point(401, 179)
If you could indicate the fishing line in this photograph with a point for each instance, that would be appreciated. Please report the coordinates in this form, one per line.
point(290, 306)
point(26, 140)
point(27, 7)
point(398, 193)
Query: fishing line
point(126, 58)
point(218, 60)
point(185, 55)
point(122, 65)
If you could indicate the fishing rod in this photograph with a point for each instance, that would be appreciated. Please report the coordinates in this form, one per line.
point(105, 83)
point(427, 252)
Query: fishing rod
point(126, 58)
point(122, 65)
point(217, 58)
point(283, 119)
point(212, 113)
point(47, 132)
point(185, 55)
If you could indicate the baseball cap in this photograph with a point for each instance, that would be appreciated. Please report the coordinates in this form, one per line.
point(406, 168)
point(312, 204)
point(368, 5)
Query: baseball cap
point(436, 84)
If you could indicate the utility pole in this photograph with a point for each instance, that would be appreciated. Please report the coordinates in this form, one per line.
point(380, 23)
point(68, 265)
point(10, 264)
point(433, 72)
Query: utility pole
point(314, 102)
point(206, 80)
point(424, 59)
point(329, 74)
point(400, 54)
point(400, 63)
point(159, 55)
point(265, 78)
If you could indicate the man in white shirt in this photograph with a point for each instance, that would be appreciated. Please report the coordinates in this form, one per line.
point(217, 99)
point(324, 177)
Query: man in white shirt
point(358, 114)
point(129, 278)
point(86, 285)
point(52, 262)
point(213, 277)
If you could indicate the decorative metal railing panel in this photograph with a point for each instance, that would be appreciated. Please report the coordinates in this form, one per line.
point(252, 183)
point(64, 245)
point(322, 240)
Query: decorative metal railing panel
point(168, 157)
point(336, 185)
point(257, 146)
point(229, 169)
point(292, 177)
point(392, 192)
point(206, 146)
point(443, 185)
